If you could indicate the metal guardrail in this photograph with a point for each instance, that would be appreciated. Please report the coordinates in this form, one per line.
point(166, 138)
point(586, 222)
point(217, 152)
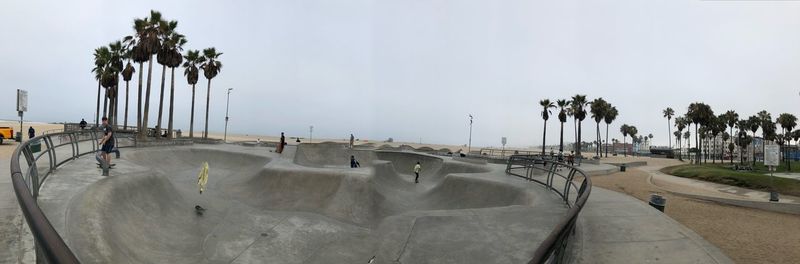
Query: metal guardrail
point(570, 183)
point(31, 163)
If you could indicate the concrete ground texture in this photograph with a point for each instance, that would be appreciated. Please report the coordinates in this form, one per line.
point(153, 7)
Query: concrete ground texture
point(307, 206)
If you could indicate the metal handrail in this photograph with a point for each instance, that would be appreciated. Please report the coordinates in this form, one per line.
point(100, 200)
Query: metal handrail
point(50, 247)
point(554, 248)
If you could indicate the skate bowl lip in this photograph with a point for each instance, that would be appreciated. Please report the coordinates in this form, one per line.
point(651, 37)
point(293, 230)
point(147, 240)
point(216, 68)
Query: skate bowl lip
point(51, 245)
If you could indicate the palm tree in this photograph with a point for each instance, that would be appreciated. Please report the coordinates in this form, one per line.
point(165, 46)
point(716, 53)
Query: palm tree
point(699, 114)
point(650, 136)
point(101, 57)
point(148, 43)
point(192, 60)
point(138, 44)
point(609, 117)
point(787, 122)
point(668, 113)
point(716, 126)
point(677, 135)
point(174, 59)
point(753, 123)
point(624, 129)
point(117, 57)
point(766, 121)
point(680, 124)
point(578, 104)
point(166, 30)
point(562, 118)
point(211, 67)
point(127, 74)
point(632, 131)
point(546, 106)
point(598, 109)
point(731, 117)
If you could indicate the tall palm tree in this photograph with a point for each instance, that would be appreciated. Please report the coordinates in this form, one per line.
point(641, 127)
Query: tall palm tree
point(101, 57)
point(211, 67)
point(192, 60)
point(716, 126)
point(166, 30)
point(145, 44)
point(609, 117)
point(578, 105)
point(116, 64)
point(139, 44)
point(731, 117)
point(677, 135)
point(680, 124)
point(632, 131)
point(650, 139)
point(766, 121)
point(598, 109)
point(699, 114)
point(668, 113)
point(546, 106)
point(753, 123)
point(624, 129)
point(787, 122)
point(562, 118)
point(175, 44)
point(127, 75)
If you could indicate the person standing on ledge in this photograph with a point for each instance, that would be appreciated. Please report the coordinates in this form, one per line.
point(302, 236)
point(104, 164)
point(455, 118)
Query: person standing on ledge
point(417, 169)
point(352, 139)
point(281, 144)
point(107, 141)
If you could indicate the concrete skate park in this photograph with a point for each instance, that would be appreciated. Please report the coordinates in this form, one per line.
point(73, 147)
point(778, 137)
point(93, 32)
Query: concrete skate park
point(307, 205)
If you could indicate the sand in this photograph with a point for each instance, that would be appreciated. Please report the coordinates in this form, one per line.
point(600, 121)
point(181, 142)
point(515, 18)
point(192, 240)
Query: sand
point(746, 235)
point(9, 146)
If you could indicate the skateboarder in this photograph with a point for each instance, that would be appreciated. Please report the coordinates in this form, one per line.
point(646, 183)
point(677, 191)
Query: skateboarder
point(281, 144)
point(107, 141)
point(353, 162)
point(352, 139)
point(417, 169)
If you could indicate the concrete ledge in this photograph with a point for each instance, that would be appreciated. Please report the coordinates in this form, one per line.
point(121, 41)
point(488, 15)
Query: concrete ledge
point(154, 143)
point(471, 160)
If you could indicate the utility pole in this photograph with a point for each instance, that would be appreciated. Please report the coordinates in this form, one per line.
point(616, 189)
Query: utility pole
point(310, 133)
point(225, 136)
point(469, 146)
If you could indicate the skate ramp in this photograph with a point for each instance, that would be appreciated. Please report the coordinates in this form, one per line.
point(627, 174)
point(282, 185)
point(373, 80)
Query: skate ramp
point(266, 208)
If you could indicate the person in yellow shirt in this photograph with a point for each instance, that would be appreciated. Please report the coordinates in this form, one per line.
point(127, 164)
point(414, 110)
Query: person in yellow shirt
point(417, 169)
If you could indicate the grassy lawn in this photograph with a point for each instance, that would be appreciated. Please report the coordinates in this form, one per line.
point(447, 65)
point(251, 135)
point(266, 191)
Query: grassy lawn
point(758, 179)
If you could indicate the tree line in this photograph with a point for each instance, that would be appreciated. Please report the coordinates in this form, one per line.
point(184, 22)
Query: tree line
point(153, 38)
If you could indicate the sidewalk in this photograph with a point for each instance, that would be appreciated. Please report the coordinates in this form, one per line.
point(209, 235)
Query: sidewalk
point(12, 223)
point(617, 228)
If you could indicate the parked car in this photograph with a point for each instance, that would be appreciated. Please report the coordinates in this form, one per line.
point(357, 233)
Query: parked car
point(6, 133)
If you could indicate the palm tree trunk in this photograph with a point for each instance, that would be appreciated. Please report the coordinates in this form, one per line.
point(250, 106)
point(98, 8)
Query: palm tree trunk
point(625, 145)
point(161, 100)
point(105, 103)
point(578, 152)
point(606, 140)
point(669, 133)
point(208, 100)
point(599, 141)
point(191, 116)
point(697, 143)
point(575, 129)
point(97, 113)
point(171, 103)
point(754, 148)
point(561, 139)
point(125, 124)
point(139, 99)
point(143, 129)
point(544, 133)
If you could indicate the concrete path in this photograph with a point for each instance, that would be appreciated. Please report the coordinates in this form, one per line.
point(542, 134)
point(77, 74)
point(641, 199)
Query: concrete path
point(617, 228)
point(15, 240)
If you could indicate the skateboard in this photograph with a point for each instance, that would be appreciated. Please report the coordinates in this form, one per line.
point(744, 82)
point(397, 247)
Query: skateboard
point(199, 210)
point(110, 167)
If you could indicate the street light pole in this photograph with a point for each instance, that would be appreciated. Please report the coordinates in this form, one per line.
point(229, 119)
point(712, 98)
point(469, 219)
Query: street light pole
point(310, 133)
point(469, 146)
point(227, 105)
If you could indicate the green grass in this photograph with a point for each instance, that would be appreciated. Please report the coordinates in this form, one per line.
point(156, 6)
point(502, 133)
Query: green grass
point(758, 179)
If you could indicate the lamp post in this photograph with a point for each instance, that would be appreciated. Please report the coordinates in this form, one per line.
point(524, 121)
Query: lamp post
point(227, 105)
point(310, 133)
point(469, 146)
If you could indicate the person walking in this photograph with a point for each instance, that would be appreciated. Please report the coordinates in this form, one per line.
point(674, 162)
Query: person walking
point(352, 140)
point(31, 132)
point(83, 124)
point(417, 169)
point(353, 162)
point(281, 144)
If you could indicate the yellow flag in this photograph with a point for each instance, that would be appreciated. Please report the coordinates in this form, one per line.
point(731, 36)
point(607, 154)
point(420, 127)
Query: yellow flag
point(202, 177)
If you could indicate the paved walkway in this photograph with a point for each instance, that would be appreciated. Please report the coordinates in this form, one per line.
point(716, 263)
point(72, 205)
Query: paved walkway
point(617, 228)
point(12, 226)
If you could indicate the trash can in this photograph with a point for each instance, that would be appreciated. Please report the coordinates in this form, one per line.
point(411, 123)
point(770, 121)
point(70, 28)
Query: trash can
point(19, 137)
point(178, 134)
point(622, 167)
point(658, 202)
point(773, 196)
point(36, 146)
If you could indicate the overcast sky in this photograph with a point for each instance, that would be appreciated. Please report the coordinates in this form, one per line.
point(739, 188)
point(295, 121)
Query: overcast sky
point(416, 69)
